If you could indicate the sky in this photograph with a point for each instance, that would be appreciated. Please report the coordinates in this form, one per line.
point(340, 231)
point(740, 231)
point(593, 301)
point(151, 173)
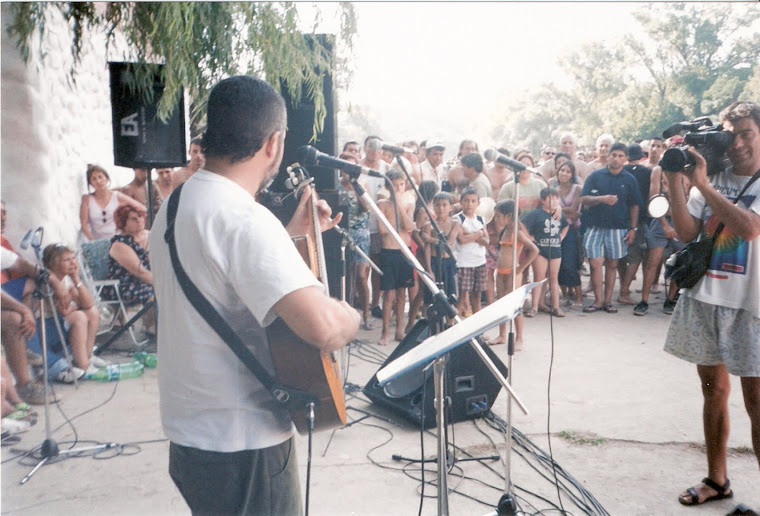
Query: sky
point(446, 70)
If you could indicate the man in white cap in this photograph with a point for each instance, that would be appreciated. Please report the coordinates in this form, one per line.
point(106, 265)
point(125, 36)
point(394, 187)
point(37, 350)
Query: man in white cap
point(432, 168)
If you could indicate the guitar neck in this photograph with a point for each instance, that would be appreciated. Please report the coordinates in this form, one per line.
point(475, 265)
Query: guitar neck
point(319, 245)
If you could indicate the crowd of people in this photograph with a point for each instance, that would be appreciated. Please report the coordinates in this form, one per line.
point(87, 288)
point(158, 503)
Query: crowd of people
point(576, 218)
point(471, 201)
point(117, 216)
point(578, 213)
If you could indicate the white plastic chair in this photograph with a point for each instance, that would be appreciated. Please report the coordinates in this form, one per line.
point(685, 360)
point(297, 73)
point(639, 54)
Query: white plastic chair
point(94, 260)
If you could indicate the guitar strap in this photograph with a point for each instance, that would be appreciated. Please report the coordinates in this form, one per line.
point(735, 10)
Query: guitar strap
point(292, 399)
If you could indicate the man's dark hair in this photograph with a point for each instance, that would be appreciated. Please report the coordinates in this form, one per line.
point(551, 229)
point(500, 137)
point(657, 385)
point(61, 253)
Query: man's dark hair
point(473, 160)
point(546, 192)
point(658, 138)
point(197, 141)
point(503, 150)
point(619, 146)
point(738, 110)
point(368, 138)
point(243, 112)
point(352, 142)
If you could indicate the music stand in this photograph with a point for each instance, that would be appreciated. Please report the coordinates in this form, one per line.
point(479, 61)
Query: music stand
point(442, 304)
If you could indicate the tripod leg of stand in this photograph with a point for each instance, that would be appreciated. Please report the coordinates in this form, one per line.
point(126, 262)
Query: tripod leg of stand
point(440, 399)
point(126, 326)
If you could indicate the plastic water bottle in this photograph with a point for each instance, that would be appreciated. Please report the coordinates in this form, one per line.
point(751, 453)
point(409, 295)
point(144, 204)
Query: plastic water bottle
point(149, 360)
point(118, 372)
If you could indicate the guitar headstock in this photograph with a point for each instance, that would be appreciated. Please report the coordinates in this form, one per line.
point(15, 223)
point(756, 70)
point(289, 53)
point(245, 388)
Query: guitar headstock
point(298, 178)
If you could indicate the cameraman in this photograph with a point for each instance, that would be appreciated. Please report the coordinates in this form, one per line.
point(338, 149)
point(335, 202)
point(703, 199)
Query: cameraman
point(716, 324)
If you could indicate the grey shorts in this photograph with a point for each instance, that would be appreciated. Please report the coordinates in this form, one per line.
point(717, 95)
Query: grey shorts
point(705, 334)
point(656, 237)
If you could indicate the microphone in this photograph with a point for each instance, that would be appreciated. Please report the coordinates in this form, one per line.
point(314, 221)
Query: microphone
point(494, 155)
point(309, 155)
point(33, 238)
point(376, 144)
point(26, 240)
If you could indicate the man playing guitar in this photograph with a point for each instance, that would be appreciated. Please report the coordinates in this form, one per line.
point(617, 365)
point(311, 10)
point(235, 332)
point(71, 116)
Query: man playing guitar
point(232, 447)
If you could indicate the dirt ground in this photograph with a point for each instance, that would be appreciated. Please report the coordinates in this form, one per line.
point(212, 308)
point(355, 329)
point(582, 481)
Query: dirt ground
point(620, 416)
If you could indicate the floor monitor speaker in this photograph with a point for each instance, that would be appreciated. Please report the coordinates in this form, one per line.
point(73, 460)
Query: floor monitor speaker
point(470, 386)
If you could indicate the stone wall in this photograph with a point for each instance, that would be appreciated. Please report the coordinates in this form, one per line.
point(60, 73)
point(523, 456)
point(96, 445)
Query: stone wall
point(51, 128)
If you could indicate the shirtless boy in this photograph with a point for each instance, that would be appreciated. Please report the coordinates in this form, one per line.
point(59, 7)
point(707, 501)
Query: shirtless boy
point(397, 272)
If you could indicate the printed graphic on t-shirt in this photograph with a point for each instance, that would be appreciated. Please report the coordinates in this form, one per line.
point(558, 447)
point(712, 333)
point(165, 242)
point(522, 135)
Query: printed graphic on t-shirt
point(550, 238)
point(730, 252)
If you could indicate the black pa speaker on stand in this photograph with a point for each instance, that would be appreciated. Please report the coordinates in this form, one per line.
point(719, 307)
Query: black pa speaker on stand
point(470, 386)
point(301, 127)
point(140, 138)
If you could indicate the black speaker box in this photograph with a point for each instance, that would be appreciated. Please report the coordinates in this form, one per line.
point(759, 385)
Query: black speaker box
point(301, 129)
point(469, 385)
point(284, 204)
point(140, 138)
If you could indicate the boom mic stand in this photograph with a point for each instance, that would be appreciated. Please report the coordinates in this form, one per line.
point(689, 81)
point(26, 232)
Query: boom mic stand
point(446, 309)
point(43, 291)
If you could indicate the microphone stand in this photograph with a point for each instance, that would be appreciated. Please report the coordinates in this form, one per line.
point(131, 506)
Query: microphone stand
point(507, 505)
point(444, 309)
point(43, 291)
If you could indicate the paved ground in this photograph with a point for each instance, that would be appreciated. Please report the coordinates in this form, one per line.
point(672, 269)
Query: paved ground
point(625, 423)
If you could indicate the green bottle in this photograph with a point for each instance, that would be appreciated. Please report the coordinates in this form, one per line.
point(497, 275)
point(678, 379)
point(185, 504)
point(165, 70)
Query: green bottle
point(117, 372)
point(149, 360)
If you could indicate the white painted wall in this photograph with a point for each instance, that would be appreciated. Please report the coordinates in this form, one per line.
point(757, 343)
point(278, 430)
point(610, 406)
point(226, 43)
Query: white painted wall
point(51, 128)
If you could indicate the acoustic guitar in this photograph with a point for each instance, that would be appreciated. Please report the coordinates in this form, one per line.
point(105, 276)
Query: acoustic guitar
point(298, 364)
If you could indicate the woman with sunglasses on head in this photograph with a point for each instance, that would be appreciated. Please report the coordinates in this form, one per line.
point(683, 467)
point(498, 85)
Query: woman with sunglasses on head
point(98, 206)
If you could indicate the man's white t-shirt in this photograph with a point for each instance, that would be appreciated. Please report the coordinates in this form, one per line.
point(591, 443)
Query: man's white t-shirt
point(7, 258)
point(242, 259)
point(733, 277)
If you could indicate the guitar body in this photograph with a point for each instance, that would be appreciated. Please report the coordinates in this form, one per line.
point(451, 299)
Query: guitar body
point(298, 364)
point(301, 366)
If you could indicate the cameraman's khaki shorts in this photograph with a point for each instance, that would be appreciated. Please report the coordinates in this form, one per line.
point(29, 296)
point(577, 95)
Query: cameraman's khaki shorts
point(705, 334)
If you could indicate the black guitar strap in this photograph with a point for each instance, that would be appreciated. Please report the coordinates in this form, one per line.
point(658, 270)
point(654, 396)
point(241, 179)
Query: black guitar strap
point(292, 399)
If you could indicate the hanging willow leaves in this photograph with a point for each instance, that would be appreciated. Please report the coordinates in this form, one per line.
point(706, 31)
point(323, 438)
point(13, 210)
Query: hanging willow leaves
point(198, 43)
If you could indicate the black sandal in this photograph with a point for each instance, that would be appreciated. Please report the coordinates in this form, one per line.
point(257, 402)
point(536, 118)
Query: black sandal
point(724, 491)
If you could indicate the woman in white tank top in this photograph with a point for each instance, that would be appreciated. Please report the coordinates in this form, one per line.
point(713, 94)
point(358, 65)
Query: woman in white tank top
point(96, 211)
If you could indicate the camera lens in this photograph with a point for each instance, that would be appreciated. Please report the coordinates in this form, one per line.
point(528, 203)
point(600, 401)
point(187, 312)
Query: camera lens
point(675, 160)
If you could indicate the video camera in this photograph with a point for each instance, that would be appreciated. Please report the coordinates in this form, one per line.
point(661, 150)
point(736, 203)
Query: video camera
point(711, 141)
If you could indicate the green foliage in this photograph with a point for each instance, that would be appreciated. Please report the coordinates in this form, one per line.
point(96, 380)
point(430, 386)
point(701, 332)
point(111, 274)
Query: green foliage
point(694, 59)
point(198, 43)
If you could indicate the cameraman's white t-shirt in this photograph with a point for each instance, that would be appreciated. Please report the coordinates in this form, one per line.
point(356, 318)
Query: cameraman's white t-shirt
point(733, 277)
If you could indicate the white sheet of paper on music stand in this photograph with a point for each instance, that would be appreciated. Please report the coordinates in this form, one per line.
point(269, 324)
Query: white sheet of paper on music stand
point(496, 313)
